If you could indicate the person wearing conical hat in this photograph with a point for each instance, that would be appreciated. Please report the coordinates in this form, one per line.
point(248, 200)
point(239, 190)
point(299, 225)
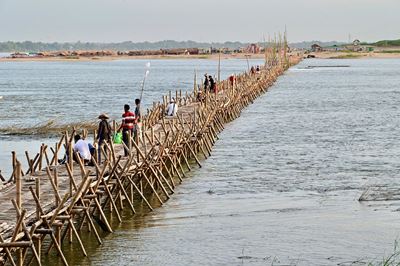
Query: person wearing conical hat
point(103, 134)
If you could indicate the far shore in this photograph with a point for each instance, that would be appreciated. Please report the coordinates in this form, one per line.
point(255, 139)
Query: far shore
point(354, 55)
point(126, 57)
point(322, 55)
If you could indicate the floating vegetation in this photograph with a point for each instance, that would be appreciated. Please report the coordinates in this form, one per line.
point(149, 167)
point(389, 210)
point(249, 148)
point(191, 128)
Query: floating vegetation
point(210, 191)
point(346, 56)
point(49, 128)
point(311, 67)
point(390, 260)
point(389, 52)
point(380, 193)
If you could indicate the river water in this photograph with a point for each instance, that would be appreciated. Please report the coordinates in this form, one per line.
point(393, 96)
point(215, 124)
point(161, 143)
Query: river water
point(283, 182)
point(38, 93)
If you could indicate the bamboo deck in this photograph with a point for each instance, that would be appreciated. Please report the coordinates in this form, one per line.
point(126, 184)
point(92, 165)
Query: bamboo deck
point(51, 202)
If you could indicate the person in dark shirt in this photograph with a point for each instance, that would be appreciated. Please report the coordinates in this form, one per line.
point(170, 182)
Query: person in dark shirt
point(138, 122)
point(212, 83)
point(103, 134)
point(252, 70)
point(206, 82)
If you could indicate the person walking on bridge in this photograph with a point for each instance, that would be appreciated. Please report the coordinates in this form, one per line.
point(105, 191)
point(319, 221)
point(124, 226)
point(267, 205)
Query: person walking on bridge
point(206, 82)
point(232, 80)
point(212, 83)
point(127, 126)
point(103, 134)
point(138, 122)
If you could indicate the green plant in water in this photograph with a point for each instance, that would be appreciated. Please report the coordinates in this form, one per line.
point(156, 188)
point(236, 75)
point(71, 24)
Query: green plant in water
point(389, 52)
point(391, 260)
point(346, 56)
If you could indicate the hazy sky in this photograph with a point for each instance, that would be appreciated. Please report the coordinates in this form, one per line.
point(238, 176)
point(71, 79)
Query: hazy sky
point(202, 20)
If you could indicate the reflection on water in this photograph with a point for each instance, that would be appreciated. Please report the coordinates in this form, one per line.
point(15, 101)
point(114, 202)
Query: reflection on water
point(282, 184)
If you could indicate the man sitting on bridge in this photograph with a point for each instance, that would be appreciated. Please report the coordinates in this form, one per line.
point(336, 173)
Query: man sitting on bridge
point(172, 108)
point(82, 149)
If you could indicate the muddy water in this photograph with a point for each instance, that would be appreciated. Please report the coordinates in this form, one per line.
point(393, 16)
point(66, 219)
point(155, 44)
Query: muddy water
point(282, 184)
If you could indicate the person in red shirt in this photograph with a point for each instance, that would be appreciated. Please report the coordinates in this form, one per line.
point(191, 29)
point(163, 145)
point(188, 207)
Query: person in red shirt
point(128, 125)
point(232, 80)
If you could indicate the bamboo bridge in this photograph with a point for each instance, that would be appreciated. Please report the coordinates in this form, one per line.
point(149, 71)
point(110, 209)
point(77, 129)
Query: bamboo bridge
point(48, 205)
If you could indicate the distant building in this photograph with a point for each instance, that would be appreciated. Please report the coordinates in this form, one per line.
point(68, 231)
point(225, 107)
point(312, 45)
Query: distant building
point(214, 50)
point(19, 55)
point(357, 46)
point(204, 51)
point(334, 48)
point(180, 51)
point(368, 48)
point(316, 48)
point(193, 51)
point(226, 51)
point(253, 48)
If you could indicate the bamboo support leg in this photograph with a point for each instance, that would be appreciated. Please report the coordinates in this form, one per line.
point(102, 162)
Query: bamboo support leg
point(152, 188)
point(193, 154)
point(140, 193)
point(7, 251)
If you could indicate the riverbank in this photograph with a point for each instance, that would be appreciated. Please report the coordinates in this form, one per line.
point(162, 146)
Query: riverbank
point(355, 55)
point(322, 55)
point(126, 57)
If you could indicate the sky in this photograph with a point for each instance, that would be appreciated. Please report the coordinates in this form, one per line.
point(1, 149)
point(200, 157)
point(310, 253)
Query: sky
point(205, 20)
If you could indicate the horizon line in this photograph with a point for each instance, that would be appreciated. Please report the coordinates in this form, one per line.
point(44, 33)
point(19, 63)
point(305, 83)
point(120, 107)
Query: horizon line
point(166, 40)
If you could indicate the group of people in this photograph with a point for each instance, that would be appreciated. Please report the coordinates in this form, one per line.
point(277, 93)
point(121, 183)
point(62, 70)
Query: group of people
point(209, 83)
point(131, 123)
point(211, 86)
point(255, 70)
point(130, 127)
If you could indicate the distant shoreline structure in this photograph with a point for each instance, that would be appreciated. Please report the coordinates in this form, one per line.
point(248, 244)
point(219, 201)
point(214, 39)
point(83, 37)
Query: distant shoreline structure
point(189, 49)
point(131, 57)
point(29, 46)
point(252, 50)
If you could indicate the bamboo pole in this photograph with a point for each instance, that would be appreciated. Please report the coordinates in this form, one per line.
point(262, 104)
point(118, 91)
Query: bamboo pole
point(18, 184)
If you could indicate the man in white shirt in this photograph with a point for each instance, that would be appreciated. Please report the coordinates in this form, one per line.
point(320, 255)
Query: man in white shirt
point(172, 108)
point(82, 148)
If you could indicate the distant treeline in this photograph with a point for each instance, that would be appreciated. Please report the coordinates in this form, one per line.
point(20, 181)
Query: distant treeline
point(386, 43)
point(28, 46)
point(383, 43)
